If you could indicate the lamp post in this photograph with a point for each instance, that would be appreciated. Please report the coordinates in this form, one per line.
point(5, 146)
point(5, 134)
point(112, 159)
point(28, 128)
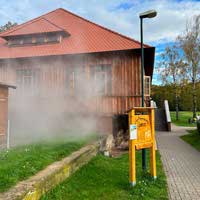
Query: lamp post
point(147, 14)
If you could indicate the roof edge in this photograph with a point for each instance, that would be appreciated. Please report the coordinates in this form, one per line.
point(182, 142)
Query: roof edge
point(64, 10)
point(27, 22)
point(33, 34)
point(79, 53)
point(42, 18)
point(7, 85)
point(101, 26)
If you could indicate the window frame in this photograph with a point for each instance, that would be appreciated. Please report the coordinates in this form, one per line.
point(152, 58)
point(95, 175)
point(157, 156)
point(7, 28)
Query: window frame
point(28, 76)
point(147, 86)
point(103, 69)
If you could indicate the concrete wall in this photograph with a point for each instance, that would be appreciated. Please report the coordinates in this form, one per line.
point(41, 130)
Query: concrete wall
point(36, 186)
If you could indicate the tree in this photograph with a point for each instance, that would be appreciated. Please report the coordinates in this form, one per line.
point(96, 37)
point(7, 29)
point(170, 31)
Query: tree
point(172, 71)
point(7, 26)
point(190, 44)
point(159, 93)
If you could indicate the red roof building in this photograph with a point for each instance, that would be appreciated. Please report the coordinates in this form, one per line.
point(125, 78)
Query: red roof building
point(49, 54)
point(84, 37)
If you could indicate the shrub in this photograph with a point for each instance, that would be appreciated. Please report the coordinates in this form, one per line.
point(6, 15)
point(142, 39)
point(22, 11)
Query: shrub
point(198, 126)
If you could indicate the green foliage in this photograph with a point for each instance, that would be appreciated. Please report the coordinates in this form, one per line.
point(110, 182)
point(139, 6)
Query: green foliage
point(161, 92)
point(22, 162)
point(7, 26)
point(183, 118)
point(193, 138)
point(108, 178)
point(198, 126)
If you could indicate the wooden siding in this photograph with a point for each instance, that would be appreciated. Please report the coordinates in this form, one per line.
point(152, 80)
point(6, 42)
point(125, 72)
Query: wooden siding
point(6, 73)
point(3, 114)
point(125, 70)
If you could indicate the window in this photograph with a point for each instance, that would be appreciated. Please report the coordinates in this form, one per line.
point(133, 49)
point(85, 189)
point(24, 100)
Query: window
point(100, 82)
point(27, 40)
point(52, 38)
point(27, 81)
point(40, 39)
point(102, 77)
point(36, 39)
point(15, 42)
point(147, 85)
point(75, 80)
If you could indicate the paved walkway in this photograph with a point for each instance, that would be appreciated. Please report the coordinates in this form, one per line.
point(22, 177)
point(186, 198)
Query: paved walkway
point(181, 164)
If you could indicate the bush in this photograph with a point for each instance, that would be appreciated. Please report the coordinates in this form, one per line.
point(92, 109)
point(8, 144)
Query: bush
point(198, 126)
point(192, 120)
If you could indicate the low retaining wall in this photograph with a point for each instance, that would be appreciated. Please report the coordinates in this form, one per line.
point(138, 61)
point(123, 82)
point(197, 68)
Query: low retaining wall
point(36, 186)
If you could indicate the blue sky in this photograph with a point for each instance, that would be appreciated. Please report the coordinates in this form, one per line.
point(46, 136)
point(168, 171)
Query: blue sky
point(119, 15)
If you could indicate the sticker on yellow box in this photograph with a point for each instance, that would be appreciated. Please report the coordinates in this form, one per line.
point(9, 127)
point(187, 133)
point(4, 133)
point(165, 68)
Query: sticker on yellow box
point(133, 132)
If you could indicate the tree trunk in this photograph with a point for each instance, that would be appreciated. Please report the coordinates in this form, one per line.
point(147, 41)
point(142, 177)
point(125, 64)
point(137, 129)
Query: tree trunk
point(177, 109)
point(194, 99)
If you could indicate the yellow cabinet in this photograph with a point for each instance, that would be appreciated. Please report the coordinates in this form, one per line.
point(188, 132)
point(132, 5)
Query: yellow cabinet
point(142, 135)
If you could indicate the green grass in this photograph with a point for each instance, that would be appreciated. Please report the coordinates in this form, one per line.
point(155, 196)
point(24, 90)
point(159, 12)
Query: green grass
point(183, 118)
point(193, 138)
point(19, 163)
point(106, 178)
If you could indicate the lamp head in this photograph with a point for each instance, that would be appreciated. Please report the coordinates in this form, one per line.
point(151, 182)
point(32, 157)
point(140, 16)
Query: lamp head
point(148, 14)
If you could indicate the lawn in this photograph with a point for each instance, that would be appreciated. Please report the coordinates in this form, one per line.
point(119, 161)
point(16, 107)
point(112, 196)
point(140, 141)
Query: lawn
point(193, 138)
point(183, 118)
point(19, 163)
point(106, 178)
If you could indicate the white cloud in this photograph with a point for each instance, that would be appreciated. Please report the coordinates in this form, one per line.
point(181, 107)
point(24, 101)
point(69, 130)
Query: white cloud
point(171, 19)
point(114, 14)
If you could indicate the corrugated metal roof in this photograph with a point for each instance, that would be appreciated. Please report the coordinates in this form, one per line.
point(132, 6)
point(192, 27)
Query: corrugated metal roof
point(38, 26)
point(85, 37)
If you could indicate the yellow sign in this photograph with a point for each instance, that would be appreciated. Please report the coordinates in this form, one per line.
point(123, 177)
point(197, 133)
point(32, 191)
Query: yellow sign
point(142, 135)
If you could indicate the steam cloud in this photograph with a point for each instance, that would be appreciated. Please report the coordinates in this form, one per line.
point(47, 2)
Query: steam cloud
point(53, 113)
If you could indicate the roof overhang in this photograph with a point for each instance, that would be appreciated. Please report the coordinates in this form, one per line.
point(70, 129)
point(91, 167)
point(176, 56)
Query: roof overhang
point(7, 85)
point(149, 59)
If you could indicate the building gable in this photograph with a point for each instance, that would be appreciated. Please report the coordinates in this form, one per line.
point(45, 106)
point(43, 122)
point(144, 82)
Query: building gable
point(84, 37)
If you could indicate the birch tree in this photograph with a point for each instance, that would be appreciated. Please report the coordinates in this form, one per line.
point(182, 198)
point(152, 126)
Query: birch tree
point(172, 72)
point(190, 44)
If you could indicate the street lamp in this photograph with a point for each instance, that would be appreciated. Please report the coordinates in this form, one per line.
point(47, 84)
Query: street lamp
point(147, 14)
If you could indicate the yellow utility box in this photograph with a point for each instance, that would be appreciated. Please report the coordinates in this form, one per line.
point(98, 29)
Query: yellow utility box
point(142, 135)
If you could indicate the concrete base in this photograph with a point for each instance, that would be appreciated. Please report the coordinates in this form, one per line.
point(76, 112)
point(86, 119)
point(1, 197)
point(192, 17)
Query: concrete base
point(169, 127)
point(45, 180)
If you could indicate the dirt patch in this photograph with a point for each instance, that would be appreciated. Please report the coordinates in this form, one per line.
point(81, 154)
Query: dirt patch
point(118, 152)
point(120, 144)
